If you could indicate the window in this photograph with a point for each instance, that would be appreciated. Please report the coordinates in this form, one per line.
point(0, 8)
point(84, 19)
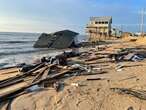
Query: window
point(96, 22)
point(106, 22)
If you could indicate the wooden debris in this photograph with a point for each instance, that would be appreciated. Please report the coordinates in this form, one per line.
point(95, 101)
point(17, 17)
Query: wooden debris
point(43, 75)
point(8, 71)
point(135, 93)
point(11, 83)
point(37, 80)
point(90, 79)
point(21, 75)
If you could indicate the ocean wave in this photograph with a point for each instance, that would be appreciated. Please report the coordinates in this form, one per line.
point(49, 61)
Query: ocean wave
point(15, 47)
point(19, 52)
point(17, 33)
point(3, 64)
point(12, 48)
point(15, 42)
point(12, 60)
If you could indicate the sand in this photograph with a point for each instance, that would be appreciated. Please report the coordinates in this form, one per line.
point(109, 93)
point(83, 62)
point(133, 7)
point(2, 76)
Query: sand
point(91, 95)
point(141, 41)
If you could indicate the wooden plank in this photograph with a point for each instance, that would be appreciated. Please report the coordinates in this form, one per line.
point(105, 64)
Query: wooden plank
point(39, 74)
point(22, 75)
point(5, 68)
point(7, 76)
point(11, 94)
point(12, 88)
point(11, 83)
point(60, 74)
point(18, 80)
point(90, 79)
point(45, 74)
point(8, 71)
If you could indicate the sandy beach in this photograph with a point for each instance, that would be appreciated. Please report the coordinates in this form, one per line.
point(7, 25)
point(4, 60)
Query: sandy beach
point(82, 94)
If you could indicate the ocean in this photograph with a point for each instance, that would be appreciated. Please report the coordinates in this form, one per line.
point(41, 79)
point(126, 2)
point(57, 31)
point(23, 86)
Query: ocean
point(16, 48)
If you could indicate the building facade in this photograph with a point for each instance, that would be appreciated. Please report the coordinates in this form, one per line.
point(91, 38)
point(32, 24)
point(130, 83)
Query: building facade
point(99, 28)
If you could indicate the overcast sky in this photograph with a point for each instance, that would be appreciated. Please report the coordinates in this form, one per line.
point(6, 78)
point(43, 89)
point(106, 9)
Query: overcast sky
point(53, 15)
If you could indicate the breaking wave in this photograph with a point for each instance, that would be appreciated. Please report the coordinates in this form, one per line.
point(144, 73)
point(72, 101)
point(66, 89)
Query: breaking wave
point(15, 42)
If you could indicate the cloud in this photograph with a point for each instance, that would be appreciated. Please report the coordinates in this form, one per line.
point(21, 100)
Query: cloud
point(52, 15)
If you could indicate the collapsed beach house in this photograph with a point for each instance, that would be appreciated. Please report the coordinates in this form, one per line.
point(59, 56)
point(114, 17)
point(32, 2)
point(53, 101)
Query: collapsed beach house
point(59, 40)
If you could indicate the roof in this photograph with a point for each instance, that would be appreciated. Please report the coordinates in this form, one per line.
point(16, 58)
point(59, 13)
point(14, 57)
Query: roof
point(62, 42)
point(66, 32)
point(103, 18)
point(60, 39)
point(43, 40)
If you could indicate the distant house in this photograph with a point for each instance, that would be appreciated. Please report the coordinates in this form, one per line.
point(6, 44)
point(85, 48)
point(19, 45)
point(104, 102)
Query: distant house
point(99, 27)
point(58, 40)
point(116, 32)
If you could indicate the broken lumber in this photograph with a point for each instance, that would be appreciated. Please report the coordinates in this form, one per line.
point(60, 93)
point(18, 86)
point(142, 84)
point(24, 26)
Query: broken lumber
point(12, 94)
point(90, 79)
point(43, 71)
point(11, 83)
point(21, 76)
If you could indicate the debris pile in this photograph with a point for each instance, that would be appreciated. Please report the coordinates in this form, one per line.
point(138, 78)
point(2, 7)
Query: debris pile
point(128, 54)
point(49, 72)
point(88, 66)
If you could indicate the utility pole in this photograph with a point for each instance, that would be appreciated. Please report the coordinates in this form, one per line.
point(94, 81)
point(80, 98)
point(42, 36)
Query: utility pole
point(142, 22)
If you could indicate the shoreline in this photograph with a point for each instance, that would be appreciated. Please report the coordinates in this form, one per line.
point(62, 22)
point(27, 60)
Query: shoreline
point(96, 91)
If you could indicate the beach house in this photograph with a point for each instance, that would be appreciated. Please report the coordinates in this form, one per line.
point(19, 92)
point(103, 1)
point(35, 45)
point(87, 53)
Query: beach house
point(99, 28)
